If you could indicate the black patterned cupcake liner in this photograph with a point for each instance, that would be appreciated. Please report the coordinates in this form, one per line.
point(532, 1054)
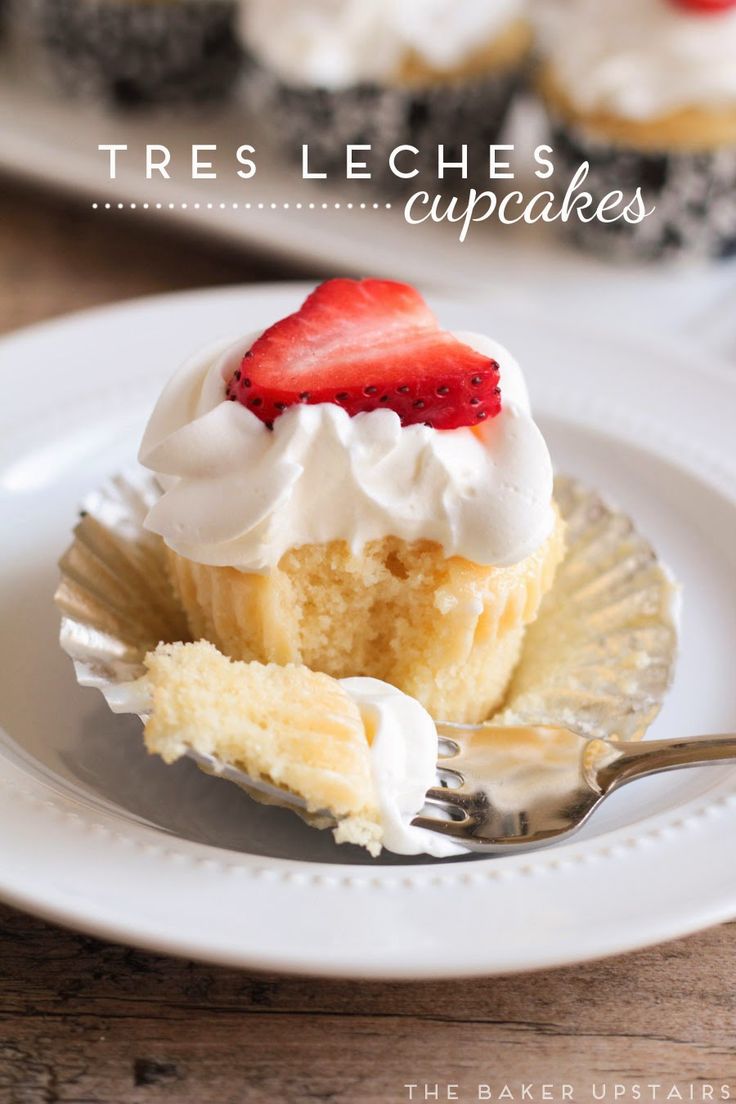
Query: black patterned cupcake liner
point(694, 195)
point(453, 113)
point(132, 53)
point(9, 16)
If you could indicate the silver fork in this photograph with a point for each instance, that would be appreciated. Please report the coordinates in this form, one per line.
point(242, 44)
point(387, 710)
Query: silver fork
point(504, 790)
point(518, 789)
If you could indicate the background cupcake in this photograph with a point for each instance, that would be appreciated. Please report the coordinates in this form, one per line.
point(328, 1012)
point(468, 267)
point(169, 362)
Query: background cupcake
point(645, 91)
point(419, 72)
point(134, 52)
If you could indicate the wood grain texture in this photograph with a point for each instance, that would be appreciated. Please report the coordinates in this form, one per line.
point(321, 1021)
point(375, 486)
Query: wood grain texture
point(84, 1022)
point(57, 255)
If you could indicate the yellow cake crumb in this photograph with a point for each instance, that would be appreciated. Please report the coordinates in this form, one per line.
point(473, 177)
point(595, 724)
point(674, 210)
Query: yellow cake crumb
point(444, 630)
point(289, 726)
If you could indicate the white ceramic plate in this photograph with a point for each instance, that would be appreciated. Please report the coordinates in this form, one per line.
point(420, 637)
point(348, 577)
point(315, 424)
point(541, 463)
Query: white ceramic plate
point(95, 834)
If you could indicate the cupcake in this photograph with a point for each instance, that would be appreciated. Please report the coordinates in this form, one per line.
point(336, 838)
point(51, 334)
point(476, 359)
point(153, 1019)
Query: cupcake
point(645, 92)
point(332, 73)
point(361, 492)
point(136, 52)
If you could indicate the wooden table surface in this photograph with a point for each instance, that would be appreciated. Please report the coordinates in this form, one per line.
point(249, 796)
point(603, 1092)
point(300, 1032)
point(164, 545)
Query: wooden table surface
point(84, 1022)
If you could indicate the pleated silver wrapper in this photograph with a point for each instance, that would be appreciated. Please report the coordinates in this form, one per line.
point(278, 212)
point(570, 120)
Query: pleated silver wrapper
point(598, 659)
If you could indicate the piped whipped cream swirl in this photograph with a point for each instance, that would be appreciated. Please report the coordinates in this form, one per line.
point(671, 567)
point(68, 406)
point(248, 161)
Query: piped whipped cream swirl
point(639, 59)
point(239, 494)
point(337, 43)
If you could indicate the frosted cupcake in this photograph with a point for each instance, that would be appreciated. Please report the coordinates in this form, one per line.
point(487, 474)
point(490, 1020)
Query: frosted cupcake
point(419, 72)
point(362, 492)
point(137, 52)
point(645, 91)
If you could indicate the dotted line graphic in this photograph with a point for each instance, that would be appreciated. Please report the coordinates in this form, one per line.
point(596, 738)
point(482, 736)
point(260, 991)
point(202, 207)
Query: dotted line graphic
point(240, 206)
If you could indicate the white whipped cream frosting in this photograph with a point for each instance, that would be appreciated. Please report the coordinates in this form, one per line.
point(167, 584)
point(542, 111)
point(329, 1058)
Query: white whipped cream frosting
point(403, 761)
point(239, 494)
point(337, 43)
point(639, 59)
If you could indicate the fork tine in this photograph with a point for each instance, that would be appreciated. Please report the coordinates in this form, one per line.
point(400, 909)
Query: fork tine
point(446, 796)
point(447, 748)
point(444, 827)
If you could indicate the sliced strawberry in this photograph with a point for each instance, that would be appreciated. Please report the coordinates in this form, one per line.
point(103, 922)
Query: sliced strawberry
point(368, 345)
point(706, 7)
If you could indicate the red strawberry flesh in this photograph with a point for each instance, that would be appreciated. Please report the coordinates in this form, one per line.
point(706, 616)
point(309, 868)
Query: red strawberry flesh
point(368, 345)
point(706, 7)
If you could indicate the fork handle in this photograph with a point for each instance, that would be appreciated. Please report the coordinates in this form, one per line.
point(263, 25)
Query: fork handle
point(636, 760)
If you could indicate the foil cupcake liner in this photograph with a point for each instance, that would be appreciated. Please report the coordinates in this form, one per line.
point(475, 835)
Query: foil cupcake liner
point(453, 113)
point(131, 54)
point(694, 194)
point(598, 659)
